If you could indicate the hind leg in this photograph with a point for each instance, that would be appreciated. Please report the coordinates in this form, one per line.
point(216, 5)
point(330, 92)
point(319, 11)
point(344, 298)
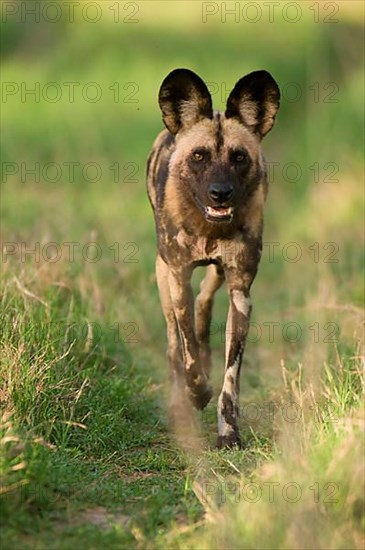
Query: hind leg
point(212, 281)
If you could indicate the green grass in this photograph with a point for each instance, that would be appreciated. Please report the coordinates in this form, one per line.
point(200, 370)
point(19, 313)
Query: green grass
point(86, 453)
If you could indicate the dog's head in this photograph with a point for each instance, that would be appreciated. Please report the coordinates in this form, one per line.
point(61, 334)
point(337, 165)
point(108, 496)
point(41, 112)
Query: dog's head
point(217, 158)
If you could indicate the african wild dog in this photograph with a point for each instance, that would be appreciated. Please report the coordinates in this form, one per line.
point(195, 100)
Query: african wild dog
point(207, 185)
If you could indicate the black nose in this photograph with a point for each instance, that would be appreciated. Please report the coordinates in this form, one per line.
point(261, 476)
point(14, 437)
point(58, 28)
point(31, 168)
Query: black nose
point(220, 193)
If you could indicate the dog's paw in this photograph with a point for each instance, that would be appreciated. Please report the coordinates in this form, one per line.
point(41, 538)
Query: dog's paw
point(200, 396)
point(230, 441)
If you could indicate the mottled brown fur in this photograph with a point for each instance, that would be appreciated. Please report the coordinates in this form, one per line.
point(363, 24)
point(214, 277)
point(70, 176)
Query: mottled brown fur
point(207, 184)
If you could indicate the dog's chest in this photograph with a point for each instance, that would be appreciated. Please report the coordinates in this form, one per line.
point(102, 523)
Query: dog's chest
point(192, 248)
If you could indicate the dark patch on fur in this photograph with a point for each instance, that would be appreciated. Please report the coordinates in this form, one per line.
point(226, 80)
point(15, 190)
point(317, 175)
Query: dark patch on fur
point(228, 409)
point(162, 166)
point(219, 133)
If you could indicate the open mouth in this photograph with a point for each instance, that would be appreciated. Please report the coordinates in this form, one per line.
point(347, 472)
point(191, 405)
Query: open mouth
point(219, 213)
point(216, 213)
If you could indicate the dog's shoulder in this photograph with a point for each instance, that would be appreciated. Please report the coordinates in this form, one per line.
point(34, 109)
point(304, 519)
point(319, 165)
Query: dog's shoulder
point(158, 165)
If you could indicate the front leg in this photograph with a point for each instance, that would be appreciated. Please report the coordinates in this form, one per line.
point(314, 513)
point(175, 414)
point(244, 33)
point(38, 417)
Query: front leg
point(203, 312)
point(199, 390)
point(174, 354)
point(236, 333)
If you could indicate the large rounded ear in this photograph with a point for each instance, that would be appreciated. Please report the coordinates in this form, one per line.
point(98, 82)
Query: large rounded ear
point(254, 101)
point(184, 100)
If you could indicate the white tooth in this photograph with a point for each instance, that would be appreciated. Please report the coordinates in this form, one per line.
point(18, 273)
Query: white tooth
point(219, 212)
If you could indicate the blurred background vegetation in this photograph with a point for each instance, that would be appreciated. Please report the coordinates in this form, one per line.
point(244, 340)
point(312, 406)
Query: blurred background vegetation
point(96, 85)
point(93, 115)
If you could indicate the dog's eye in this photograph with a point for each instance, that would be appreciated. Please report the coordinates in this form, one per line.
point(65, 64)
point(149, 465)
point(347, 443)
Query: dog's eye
point(239, 156)
point(198, 155)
